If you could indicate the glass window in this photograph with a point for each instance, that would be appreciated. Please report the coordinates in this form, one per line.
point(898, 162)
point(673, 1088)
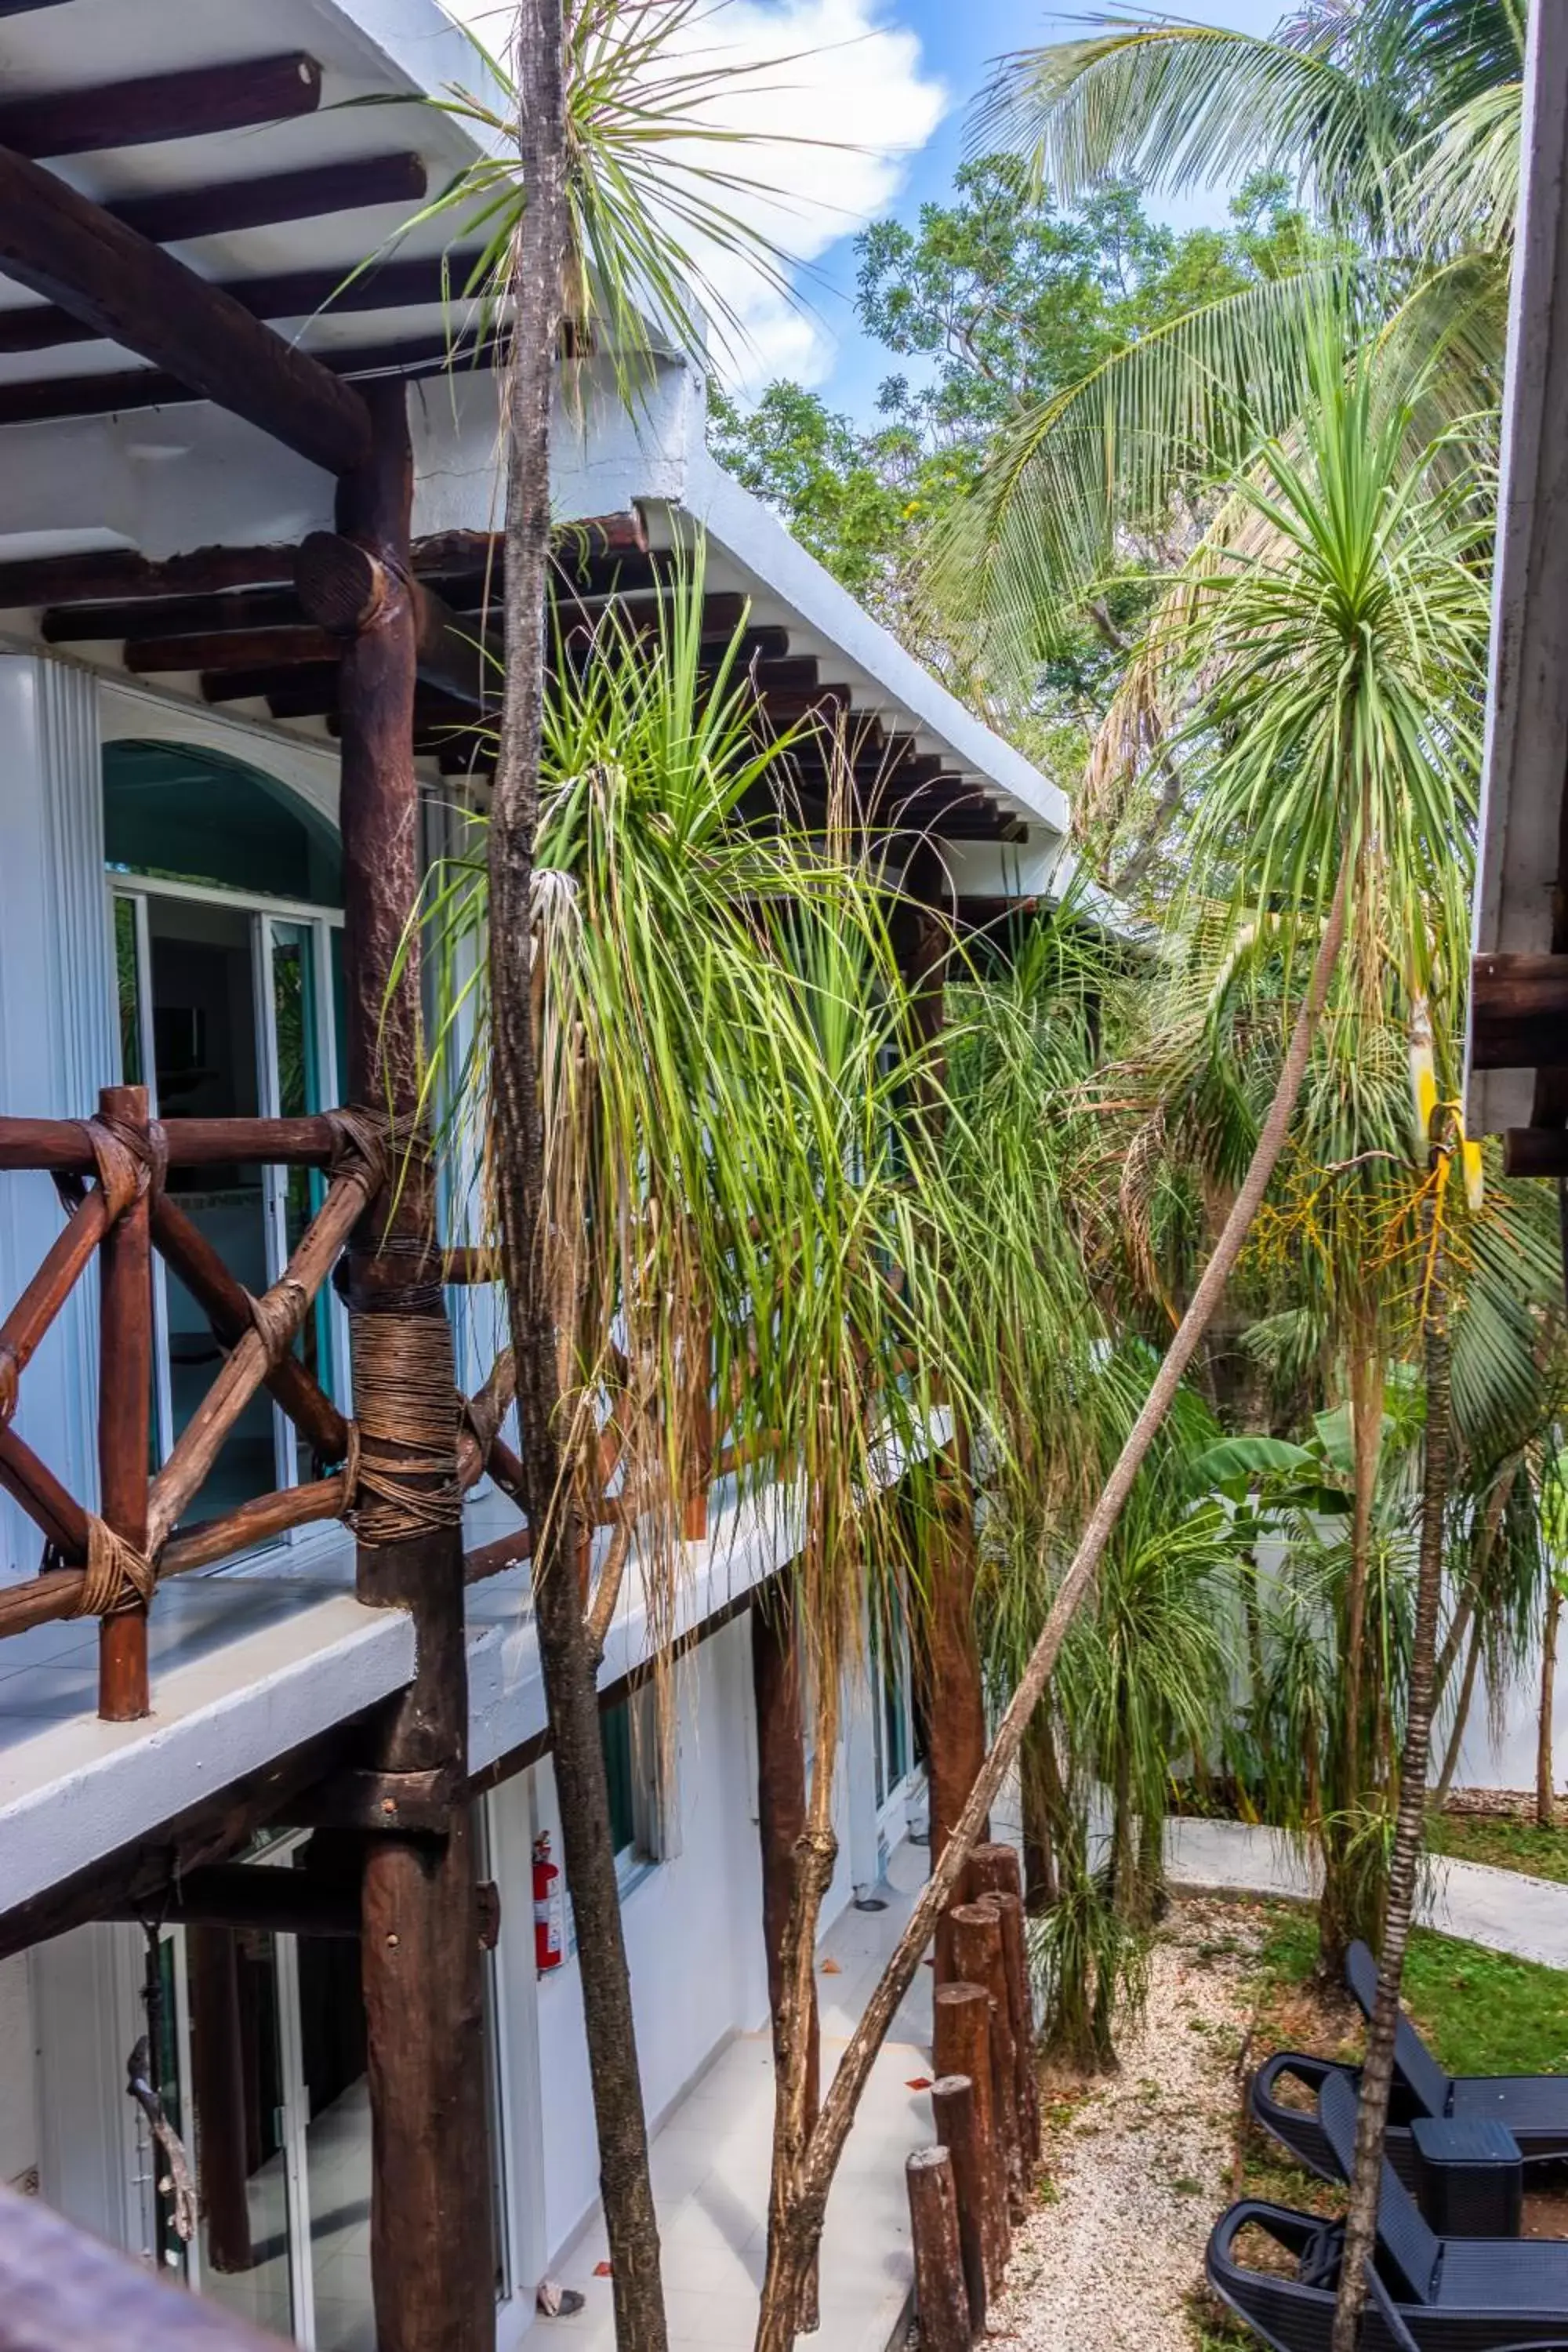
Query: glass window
point(616, 1735)
point(186, 816)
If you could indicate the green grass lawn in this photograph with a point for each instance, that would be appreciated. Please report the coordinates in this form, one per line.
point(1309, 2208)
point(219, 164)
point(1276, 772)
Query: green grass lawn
point(1506, 1844)
point(1481, 2013)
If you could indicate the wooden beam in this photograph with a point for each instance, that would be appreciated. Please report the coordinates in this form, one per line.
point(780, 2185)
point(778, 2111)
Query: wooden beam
point(199, 103)
point(1518, 1011)
point(95, 575)
point(256, 1895)
point(308, 692)
point(172, 616)
point(69, 250)
point(101, 573)
point(220, 1824)
point(344, 588)
point(173, 215)
point(230, 649)
point(288, 294)
point(378, 1803)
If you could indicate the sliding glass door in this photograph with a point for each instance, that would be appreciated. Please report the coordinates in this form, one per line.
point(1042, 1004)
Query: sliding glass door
point(228, 1009)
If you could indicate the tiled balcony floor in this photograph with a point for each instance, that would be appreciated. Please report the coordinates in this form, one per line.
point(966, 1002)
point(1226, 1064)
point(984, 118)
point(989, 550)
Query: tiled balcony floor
point(711, 2172)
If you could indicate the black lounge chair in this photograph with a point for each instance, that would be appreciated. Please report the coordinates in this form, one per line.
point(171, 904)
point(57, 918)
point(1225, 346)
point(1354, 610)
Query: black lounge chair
point(1427, 2294)
point(1533, 2107)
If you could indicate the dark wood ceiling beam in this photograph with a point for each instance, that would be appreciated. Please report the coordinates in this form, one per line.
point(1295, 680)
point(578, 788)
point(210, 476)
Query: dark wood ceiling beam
point(1535, 1151)
point(288, 294)
point(198, 103)
point(69, 250)
point(234, 649)
point(174, 215)
point(115, 574)
point(343, 587)
point(313, 689)
point(175, 616)
point(1518, 1011)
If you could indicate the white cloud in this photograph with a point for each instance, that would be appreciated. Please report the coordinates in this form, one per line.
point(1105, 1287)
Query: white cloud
point(836, 75)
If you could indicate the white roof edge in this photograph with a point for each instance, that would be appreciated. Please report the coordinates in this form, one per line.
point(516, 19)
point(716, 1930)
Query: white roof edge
point(1527, 692)
point(425, 45)
point(753, 534)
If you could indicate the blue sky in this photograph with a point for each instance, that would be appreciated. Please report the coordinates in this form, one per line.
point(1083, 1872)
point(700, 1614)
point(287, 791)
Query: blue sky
point(958, 39)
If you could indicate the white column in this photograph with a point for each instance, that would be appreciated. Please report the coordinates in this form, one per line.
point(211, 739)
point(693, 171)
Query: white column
point(58, 1030)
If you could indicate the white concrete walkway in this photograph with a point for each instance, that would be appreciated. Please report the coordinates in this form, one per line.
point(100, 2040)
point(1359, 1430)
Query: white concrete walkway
point(1503, 1909)
point(711, 2172)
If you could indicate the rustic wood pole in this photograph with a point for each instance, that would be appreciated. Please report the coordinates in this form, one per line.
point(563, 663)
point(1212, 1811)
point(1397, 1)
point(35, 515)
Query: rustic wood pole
point(998, 1875)
point(961, 2044)
point(124, 1419)
point(431, 2261)
point(952, 2105)
point(942, 2299)
point(217, 2085)
point(978, 1956)
point(780, 1823)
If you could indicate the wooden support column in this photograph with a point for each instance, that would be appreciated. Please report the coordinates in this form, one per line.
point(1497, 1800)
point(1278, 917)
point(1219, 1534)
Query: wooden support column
point(124, 1419)
point(781, 1818)
point(217, 2085)
point(431, 2261)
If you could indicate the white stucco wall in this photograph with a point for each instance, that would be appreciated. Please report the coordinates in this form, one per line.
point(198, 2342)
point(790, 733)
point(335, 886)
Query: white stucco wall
point(693, 1930)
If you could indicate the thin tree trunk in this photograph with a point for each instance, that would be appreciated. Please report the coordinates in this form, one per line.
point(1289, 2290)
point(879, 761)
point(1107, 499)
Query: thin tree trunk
point(794, 2231)
point(1361, 2218)
point(1040, 1784)
point(1545, 1807)
point(795, 2088)
point(1336, 1919)
point(565, 1655)
point(1461, 1716)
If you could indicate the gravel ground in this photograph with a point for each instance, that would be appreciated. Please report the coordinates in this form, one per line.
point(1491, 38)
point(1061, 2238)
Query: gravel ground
point(1140, 2162)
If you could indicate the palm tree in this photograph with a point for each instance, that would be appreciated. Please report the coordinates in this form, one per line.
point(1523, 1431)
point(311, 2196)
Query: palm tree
point(1399, 121)
point(1326, 637)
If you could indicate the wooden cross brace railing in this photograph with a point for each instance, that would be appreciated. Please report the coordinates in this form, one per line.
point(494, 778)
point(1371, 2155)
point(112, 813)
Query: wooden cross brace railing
point(109, 1563)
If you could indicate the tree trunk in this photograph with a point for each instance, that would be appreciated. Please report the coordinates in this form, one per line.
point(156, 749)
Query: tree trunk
point(793, 2253)
point(1545, 1805)
point(781, 1824)
point(517, 1159)
point(1461, 1716)
point(1041, 1786)
point(795, 2228)
point(1377, 2075)
point(1339, 1919)
point(950, 1658)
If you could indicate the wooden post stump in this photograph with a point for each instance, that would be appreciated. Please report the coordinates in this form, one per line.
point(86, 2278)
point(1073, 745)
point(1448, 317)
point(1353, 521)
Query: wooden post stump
point(952, 2105)
point(961, 2044)
point(124, 1419)
point(999, 1877)
point(941, 2300)
point(978, 1955)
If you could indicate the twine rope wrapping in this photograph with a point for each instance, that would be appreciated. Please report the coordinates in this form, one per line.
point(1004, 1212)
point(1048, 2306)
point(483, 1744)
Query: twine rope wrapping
point(118, 1578)
point(120, 1156)
point(277, 1316)
point(402, 1470)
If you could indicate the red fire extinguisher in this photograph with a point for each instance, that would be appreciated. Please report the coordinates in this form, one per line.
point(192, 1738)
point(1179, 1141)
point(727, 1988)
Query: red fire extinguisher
point(549, 1912)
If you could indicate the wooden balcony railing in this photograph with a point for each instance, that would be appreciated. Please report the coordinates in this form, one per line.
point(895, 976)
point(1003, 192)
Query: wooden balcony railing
point(110, 1171)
